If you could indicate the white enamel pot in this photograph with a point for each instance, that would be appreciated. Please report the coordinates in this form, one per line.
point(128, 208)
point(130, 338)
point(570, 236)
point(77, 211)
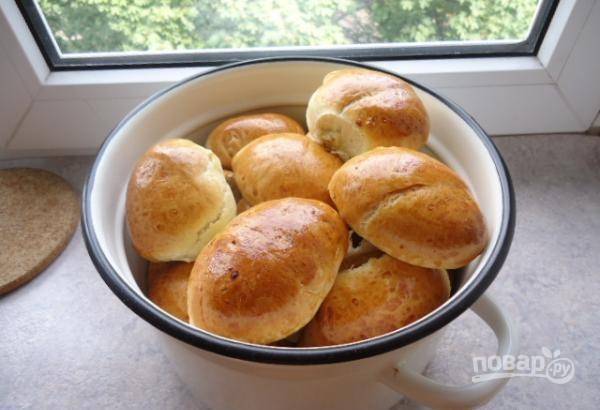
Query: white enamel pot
point(226, 374)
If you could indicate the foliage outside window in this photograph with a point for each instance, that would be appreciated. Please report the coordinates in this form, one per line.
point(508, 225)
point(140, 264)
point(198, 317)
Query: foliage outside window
point(83, 26)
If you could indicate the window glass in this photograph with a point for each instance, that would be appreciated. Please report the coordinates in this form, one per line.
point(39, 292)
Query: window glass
point(91, 26)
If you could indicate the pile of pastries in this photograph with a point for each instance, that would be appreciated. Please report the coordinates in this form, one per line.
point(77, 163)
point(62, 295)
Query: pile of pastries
point(273, 235)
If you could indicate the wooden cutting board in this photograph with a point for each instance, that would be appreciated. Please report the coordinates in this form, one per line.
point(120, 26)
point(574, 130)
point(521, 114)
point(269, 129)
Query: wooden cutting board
point(39, 212)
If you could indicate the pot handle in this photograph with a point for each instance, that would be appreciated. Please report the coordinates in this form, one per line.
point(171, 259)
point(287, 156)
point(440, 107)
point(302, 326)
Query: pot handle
point(430, 393)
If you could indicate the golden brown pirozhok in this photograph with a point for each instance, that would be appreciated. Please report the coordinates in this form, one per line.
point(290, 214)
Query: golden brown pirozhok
point(410, 206)
point(264, 277)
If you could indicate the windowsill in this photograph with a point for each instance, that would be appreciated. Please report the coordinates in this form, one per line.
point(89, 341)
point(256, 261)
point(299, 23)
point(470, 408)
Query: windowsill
point(552, 255)
point(447, 73)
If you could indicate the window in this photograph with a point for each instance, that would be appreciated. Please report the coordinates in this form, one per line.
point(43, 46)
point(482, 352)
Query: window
point(527, 65)
point(76, 34)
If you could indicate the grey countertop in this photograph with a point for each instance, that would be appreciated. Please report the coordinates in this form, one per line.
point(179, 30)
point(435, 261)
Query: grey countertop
point(67, 342)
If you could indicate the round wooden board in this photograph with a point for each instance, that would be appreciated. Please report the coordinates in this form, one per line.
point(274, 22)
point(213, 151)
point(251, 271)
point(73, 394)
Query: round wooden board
point(39, 212)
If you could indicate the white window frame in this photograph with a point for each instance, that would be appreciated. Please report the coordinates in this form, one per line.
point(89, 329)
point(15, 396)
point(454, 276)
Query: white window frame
point(70, 112)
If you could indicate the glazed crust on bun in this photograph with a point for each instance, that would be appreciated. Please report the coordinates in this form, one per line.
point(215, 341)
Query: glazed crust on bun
point(264, 277)
point(284, 165)
point(230, 136)
point(177, 200)
point(167, 286)
point(410, 206)
point(355, 110)
point(376, 298)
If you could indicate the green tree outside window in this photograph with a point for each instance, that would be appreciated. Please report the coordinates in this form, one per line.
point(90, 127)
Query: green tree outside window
point(166, 25)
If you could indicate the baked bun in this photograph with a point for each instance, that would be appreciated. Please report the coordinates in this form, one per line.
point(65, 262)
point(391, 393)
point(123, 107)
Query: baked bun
point(355, 110)
point(177, 200)
point(230, 136)
point(410, 206)
point(264, 277)
point(284, 165)
point(376, 298)
point(310, 137)
point(167, 286)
